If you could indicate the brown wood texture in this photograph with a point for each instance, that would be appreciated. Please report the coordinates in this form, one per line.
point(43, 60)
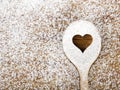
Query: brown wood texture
point(82, 42)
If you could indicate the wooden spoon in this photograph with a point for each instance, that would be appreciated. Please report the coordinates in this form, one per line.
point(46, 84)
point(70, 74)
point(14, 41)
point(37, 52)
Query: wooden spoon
point(82, 44)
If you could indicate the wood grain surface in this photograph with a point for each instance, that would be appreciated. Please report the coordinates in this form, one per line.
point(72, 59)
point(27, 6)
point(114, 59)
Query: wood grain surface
point(82, 42)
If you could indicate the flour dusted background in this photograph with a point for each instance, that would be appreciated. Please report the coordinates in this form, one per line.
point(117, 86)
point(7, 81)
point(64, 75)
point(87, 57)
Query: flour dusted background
point(31, 52)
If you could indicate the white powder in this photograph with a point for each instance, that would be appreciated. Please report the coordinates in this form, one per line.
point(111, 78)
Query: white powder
point(31, 53)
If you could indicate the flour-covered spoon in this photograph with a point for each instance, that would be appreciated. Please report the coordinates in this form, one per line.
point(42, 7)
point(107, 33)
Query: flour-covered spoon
point(82, 45)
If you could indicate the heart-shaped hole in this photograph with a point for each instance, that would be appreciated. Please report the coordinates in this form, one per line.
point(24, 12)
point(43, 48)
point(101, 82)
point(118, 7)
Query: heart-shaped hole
point(82, 42)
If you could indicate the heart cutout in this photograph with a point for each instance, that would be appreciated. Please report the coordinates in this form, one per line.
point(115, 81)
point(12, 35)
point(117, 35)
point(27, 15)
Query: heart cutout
point(82, 42)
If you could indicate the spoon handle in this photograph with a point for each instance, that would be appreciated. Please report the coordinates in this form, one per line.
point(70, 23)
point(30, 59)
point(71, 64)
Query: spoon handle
point(84, 80)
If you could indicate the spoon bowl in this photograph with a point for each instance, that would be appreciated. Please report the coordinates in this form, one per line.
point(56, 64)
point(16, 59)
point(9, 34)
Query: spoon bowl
point(82, 45)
